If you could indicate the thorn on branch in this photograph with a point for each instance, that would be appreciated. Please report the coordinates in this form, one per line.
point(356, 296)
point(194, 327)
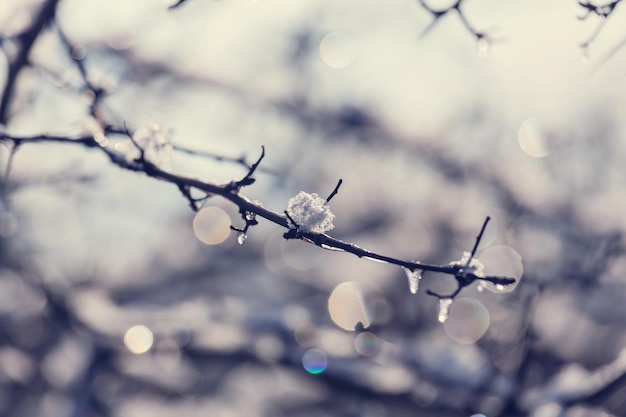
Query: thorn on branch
point(334, 191)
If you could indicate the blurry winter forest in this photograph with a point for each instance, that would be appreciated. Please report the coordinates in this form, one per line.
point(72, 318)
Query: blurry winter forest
point(126, 293)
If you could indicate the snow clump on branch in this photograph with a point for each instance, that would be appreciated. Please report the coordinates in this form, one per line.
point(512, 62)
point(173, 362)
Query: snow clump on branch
point(154, 142)
point(474, 267)
point(310, 212)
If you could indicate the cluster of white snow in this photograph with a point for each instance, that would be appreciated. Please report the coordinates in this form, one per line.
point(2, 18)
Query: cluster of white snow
point(310, 212)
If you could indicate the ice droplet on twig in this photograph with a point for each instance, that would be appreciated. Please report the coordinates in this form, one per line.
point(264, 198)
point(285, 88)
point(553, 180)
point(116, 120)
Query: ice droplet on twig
point(241, 238)
point(481, 286)
point(414, 279)
point(444, 309)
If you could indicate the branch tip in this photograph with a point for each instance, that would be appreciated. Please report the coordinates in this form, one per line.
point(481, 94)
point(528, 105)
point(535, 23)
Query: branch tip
point(234, 186)
point(335, 191)
point(478, 238)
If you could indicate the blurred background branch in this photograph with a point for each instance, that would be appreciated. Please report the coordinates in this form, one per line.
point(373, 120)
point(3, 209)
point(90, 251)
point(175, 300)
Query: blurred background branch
point(115, 299)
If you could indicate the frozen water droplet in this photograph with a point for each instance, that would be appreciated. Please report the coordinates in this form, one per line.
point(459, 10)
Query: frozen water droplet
point(241, 238)
point(482, 48)
point(250, 215)
point(444, 309)
point(414, 279)
point(500, 287)
point(481, 286)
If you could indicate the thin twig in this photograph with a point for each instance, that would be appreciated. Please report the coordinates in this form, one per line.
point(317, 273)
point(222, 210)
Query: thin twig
point(334, 191)
point(478, 238)
point(235, 186)
point(254, 166)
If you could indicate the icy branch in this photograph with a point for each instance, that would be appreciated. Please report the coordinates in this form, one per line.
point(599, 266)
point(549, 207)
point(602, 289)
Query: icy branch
point(310, 213)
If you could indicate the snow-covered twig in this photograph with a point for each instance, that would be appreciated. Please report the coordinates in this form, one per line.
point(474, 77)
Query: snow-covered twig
point(300, 222)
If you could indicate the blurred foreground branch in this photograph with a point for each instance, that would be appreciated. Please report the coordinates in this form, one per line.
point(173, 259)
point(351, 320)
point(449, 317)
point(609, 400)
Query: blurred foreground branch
point(603, 12)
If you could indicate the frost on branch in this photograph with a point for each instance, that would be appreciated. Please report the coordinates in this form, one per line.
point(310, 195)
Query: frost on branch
point(444, 309)
point(470, 265)
point(310, 213)
point(414, 279)
point(153, 143)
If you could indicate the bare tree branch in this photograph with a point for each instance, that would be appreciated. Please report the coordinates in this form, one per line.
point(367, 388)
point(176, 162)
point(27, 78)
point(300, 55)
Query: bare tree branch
point(250, 210)
point(21, 60)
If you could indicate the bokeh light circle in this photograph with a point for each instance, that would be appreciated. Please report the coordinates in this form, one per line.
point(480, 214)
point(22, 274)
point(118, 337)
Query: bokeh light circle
point(138, 339)
point(502, 261)
point(468, 322)
point(366, 344)
point(211, 225)
point(348, 306)
point(314, 361)
point(532, 139)
point(337, 49)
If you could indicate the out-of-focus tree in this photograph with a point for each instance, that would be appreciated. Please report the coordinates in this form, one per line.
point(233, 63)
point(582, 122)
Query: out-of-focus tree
point(118, 117)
